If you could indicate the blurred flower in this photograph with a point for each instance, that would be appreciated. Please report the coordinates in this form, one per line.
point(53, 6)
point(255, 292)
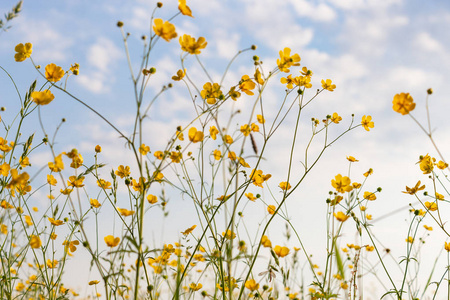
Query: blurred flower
point(281, 251)
point(112, 241)
point(194, 135)
point(165, 30)
point(190, 45)
point(252, 285)
point(327, 85)
point(340, 216)
point(403, 103)
point(42, 98)
point(185, 10)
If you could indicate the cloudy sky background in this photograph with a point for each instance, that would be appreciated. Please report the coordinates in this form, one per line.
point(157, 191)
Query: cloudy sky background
point(370, 49)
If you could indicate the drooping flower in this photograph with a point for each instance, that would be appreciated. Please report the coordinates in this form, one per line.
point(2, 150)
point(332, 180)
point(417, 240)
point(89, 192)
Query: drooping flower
point(54, 73)
point(403, 103)
point(165, 30)
point(192, 46)
point(23, 51)
point(184, 9)
point(180, 75)
point(43, 97)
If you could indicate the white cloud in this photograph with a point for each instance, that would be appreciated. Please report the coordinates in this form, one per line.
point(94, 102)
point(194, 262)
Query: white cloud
point(102, 57)
point(426, 42)
point(320, 12)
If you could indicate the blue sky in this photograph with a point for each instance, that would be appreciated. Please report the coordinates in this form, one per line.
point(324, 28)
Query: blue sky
point(371, 49)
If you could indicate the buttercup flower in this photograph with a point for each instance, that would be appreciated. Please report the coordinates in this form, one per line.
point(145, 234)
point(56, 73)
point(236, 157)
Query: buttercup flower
point(185, 10)
point(213, 132)
point(341, 184)
point(42, 98)
point(123, 171)
point(211, 92)
point(286, 60)
point(266, 242)
point(111, 241)
point(335, 118)
point(369, 196)
point(195, 287)
point(35, 241)
point(165, 29)
point(327, 85)
point(281, 251)
point(403, 103)
point(252, 285)
point(23, 51)
point(180, 75)
point(285, 185)
point(414, 189)
point(194, 135)
point(447, 246)
point(340, 216)
point(271, 209)
point(190, 45)
point(53, 73)
point(367, 123)
point(427, 164)
point(246, 85)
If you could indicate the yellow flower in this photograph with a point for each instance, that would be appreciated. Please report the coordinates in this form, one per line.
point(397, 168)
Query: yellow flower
point(340, 216)
point(194, 135)
point(213, 132)
point(228, 139)
point(158, 176)
point(35, 241)
point(211, 92)
point(303, 81)
point(180, 75)
point(51, 180)
point(125, 212)
point(286, 60)
point(252, 285)
point(447, 246)
point(28, 220)
point(53, 73)
point(94, 203)
point(185, 10)
point(144, 149)
point(234, 94)
point(159, 155)
point(176, 156)
point(229, 235)
point(93, 282)
point(442, 165)
point(403, 103)
point(190, 45)
point(104, 184)
point(266, 242)
point(217, 154)
point(42, 98)
point(370, 172)
point(369, 196)
point(246, 85)
point(351, 159)
point(3, 229)
point(23, 51)
point(250, 196)
point(152, 199)
point(429, 228)
point(112, 241)
point(427, 164)
point(189, 230)
point(245, 129)
point(260, 119)
point(4, 169)
point(327, 85)
point(51, 263)
point(257, 177)
point(258, 77)
point(55, 222)
point(70, 246)
point(232, 155)
point(165, 30)
point(410, 239)
point(431, 206)
point(281, 251)
point(289, 81)
point(271, 209)
point(341, 184)
point(75, 69)
point(58, 165)
point(335, 118)
point(285, 185)
point(75, 182)
point(123, 171)
point(367, 123)
point(195, 287)
point(243, 163)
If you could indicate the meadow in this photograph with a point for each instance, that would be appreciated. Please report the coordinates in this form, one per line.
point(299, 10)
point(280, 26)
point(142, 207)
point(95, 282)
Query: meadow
point(242, 241)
